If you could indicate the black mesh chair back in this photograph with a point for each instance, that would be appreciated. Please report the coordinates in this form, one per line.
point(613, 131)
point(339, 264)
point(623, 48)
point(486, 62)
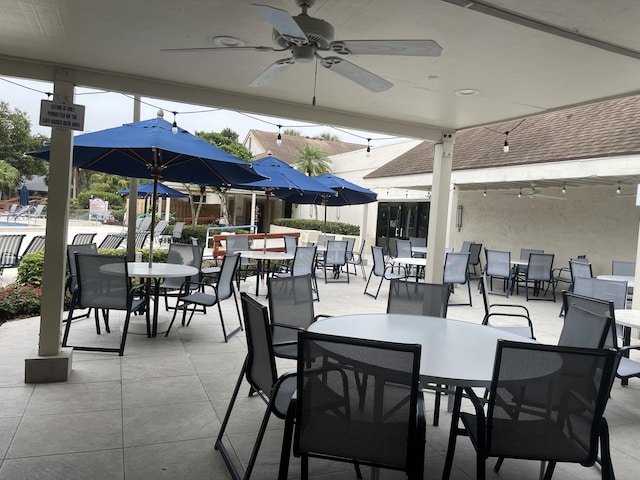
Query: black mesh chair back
point(456, 270)
point(176, 233)
point(103, 284)
point(238, 243)
point(466, 246)
point(72, 282)
point(417, 298)
point(380, 269)
point(566, 427)
point(339, 417)
point(304, 261)
point(112, 241)
point(475, 249)
point(351, 242)
point(619, 267)
point(602, 308)
point(356, 259)
point(584, 328)
point(290, 244)
point(291, 308)
point(403, 248)
point(225, 280)
point(335, 257)
point(83, 238)
point(499, 266)
point(418, 241)
point(525, 252)
point(612, 290)
point(323, 239)
point(260, 371)
point(182, 254)
point(36, 244)
point(579, 269)
point(540, 271)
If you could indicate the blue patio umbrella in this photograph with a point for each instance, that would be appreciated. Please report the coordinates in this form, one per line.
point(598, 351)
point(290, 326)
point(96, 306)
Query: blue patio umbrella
point(344, 193)
point(164, 191)
point(150, 149)
point(24, 195)
point(284, 181)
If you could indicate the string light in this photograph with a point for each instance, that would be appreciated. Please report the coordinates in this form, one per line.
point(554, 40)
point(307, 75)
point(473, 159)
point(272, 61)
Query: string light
point(505, 147)
point(520, 194)
point(564, 188)
point(618, 190)
point(279, 139)
point(174, 127)
point(484, 194)
point(368, 146)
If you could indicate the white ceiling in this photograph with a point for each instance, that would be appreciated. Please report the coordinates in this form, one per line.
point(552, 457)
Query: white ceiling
point(117, 44)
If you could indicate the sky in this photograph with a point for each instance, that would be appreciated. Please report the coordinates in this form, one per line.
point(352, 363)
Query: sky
point(108, 109)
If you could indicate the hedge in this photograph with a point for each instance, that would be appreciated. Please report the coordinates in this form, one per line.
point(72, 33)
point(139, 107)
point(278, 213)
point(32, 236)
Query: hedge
point(338, 228)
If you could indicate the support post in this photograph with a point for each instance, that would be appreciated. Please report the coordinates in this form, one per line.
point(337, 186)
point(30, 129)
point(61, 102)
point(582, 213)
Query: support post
point(439, 211)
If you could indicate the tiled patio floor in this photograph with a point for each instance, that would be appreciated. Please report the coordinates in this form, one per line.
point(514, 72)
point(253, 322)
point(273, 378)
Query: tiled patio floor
point(154, 413)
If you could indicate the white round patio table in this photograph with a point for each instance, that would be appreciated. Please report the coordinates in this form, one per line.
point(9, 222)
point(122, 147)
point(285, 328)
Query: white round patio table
point(631, 281)
point(453, 352)
point(263, 256)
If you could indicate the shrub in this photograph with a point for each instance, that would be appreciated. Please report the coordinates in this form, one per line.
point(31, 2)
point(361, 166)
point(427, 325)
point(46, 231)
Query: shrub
point(19, 301)
point(336, 228)
point(30, 269)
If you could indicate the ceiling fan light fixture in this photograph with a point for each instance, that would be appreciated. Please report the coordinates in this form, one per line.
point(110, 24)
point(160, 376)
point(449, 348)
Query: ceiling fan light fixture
point(467, 92)
point(228, 41)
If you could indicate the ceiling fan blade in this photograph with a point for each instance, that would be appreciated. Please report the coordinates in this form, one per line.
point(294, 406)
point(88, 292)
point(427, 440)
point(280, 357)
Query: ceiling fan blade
point(283, 22)
point(272, 72)
point(413, 48)
point(257, 48)
point(356, 74)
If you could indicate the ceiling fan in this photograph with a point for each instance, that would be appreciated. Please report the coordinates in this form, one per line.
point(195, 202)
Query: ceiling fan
point(305, 36)
point(533, 193)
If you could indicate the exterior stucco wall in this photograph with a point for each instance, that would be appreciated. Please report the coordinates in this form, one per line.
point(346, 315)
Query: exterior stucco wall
point(593, 221)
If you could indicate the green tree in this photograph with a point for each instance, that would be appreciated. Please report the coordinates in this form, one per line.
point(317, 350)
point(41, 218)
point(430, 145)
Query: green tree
point(227, 140)
point(291, 131)
point(107, 182)
point(313, 161)
point(328, 136)
point(9, 175)
point(16, 139)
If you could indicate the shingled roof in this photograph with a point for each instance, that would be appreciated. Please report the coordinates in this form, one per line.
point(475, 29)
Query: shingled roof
point(288, 151)
point(606, 129)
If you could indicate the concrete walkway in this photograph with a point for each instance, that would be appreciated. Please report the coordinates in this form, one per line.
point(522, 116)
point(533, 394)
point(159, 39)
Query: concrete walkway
point(154, 413)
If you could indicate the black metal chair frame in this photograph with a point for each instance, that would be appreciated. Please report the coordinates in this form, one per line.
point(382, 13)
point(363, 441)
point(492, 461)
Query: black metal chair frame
point(456, 270)
point(10, 251)
point(381, 269)
point(259, 369)
point(194, 293)
point(505, 310)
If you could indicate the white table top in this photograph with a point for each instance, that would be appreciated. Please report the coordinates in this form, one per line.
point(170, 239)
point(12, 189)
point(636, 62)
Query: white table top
point(521, 263)
point(267, 255)
point(157, 270)
point(421, 250)
point(420, 262)
point(453, 352)
point(620, 278)
point(628, 318)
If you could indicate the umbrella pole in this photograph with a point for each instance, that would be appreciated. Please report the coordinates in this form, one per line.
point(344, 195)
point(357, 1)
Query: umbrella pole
point(155, 173)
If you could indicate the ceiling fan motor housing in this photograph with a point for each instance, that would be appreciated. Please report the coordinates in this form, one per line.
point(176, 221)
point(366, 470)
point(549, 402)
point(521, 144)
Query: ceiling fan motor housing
point(319, 33)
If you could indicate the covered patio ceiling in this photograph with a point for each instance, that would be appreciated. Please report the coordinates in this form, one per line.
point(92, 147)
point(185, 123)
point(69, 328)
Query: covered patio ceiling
point(523, 57)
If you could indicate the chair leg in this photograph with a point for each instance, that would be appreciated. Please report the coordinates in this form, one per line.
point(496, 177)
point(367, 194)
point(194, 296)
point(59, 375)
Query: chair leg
point(285, 453)
point(605, 452)
point(219, 445)
point(453, 433)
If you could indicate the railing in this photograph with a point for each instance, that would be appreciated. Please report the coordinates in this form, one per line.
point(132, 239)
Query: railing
point(273, 242)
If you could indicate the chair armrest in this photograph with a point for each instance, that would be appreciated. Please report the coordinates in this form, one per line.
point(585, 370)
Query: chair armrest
point(511, 306)
point(321, 315)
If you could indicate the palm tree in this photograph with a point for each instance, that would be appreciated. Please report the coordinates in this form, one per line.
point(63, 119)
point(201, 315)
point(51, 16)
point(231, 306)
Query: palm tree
point(9, 176)
point(313, 161)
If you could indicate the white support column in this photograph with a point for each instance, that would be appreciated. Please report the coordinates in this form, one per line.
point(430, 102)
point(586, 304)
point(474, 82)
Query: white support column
point(439, 211)
point(132, 213)
point(635, 303)
point(50, 363)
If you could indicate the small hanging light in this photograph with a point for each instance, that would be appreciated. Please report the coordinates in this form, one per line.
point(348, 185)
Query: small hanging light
point(505, 147)
point(174, 127)
point(520, 194)
point(564, 188)
point(279, 138)
point(618, 190)
point(484, 194)
point(368, 146)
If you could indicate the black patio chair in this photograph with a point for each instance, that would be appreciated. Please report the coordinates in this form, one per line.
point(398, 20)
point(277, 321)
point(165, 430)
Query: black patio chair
point(181, 254)
point(538, 274)
point(36, 244)
point(83, 238)
point(112, 241)
point(382, 270)
point(303, 264)
point(357, 259)
point(499, 266)
point(456, 270)
point(103, 283)
point(509, 315)
point(567, 427)
point(72, 279)
point(10, 251)
point(207, 295)
point(336, 416)
point(260, 371)
point(335, 258)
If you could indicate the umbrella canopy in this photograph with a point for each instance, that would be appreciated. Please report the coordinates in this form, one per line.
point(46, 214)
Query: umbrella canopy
point(164, 191)
point(24, 195)
point(344, 193)
point(284, 181)
point(150, 149)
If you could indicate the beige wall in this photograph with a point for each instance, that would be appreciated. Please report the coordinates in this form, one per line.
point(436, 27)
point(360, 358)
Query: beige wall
point(592, 221)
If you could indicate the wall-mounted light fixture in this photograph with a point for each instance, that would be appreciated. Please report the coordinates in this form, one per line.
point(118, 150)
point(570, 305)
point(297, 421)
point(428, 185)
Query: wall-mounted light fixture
point(459, 218)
